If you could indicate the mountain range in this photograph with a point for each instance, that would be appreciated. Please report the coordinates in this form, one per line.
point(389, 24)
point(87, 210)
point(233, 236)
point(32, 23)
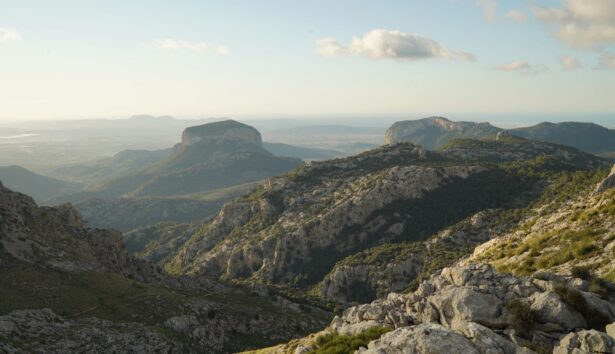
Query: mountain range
point(435, 132)
point(497, 244)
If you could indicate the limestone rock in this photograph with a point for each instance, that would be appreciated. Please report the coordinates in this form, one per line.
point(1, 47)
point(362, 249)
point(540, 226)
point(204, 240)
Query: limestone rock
point(583, 342)
point(607, 183)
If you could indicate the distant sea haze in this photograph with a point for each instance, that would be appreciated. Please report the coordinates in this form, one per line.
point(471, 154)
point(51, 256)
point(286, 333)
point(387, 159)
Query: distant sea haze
point(18, 136)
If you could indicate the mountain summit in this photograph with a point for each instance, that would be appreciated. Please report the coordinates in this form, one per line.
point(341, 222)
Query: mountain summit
point(224, 132)
point(434, 132)
point(209, 156)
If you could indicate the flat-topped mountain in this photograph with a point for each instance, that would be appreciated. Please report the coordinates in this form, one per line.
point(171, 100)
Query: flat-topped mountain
point(209, 156)
point(225, 132)
point(434, 132)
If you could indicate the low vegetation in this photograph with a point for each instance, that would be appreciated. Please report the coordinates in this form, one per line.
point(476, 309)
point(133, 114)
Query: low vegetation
point(594, 318)
point(522, 317)
point(334, 343)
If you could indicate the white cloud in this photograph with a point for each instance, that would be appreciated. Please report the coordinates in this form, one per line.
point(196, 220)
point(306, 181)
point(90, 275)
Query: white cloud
point(329, 47)
point(607, 61)
point(9, 35)
point(581, 23)
point(570, 63)
point(385, 44)
point(489, 9)
point(179, 44)
point(516, 15)
point(523, 67)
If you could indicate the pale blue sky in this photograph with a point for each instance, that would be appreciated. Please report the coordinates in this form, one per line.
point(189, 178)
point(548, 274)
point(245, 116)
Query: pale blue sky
point(92, 59)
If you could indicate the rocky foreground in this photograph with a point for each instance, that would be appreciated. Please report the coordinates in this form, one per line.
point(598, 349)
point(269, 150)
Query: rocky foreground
point(474, 309)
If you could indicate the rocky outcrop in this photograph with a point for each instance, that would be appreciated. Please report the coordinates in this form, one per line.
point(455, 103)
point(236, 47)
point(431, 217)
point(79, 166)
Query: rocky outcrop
point(466, 338)
point(345, 281)
point(583, 342)
point(57, 237)
point(608, 182)
point(435, 132)
point(394, 267)
point(228, 131)
point(469, 299)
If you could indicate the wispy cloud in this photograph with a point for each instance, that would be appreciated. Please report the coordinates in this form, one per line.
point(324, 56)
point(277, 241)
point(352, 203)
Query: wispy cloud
point(581, 23)
point(199, 47)
point(570, 63)
point(516, 15)
point(386, 44)
point(9, 35)
point(523, 67)
point(489, 9)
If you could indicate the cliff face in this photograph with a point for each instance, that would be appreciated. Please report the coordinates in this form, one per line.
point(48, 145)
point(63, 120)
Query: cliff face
point(57, 238)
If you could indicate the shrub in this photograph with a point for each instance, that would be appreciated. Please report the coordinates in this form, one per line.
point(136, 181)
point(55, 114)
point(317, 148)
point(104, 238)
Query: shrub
point(581, 272)
point(594, 318)
point(523, 318)
point(584, 248)
point(599, 287)
point(334, 343)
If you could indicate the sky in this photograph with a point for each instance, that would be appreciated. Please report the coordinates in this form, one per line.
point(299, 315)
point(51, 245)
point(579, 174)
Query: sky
point(81, 59)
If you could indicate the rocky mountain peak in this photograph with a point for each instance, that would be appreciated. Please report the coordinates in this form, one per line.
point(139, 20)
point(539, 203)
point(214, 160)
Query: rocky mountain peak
point(433, 132)
point(228, 131)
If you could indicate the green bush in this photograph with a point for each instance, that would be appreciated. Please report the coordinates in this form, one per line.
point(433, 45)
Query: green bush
point(334, 343)
point(522, 317)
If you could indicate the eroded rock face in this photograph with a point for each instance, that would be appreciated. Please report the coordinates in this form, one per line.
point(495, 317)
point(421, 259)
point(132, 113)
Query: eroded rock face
point(298, 228)
point(56, 237)
point(466, 299)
